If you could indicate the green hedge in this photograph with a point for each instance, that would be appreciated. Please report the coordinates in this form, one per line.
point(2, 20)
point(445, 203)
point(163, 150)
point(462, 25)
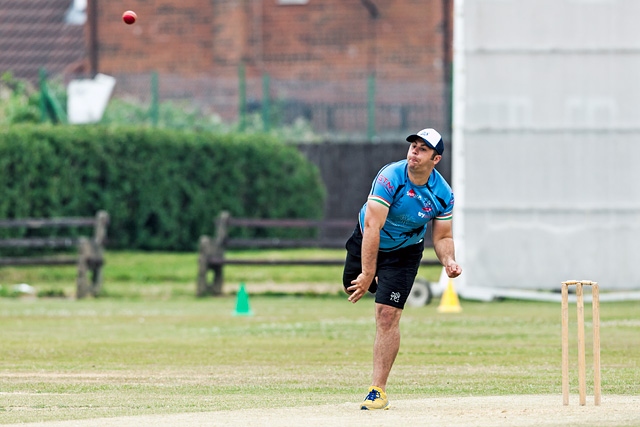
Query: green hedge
point(162, 188)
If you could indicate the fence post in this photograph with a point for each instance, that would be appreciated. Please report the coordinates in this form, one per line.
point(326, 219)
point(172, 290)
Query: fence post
point(242, 98)
point(212, 248)
point(222, 231)
point(97, 256)
point(49, 106)
point(84, 254)
point(42, 75)
point(154, 110)
point(371, 107)
point(100, 229)
point(202, 286)
point(266, 116)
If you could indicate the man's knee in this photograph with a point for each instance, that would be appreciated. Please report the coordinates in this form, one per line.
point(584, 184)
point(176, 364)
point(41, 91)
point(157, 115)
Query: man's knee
point(387, 317)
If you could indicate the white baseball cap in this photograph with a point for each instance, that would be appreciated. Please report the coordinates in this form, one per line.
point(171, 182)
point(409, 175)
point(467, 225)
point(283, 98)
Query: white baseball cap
point(431, 137)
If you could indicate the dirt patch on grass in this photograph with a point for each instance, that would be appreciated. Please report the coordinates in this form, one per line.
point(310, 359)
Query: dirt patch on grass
point(494, 411)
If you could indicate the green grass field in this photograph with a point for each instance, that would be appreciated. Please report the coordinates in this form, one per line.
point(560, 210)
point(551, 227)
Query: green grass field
point(152, 347)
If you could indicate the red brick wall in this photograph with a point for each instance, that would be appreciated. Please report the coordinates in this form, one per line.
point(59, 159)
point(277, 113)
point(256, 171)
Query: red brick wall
point(34, 35)
point(172, 36)
point(324, 39)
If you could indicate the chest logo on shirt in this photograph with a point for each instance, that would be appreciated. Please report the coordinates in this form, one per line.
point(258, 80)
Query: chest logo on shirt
point(427, 208)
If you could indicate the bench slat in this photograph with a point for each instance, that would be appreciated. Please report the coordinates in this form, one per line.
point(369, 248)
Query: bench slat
point(215, 261)
point(39, 242)
point(52, 260)
point(265, 243)
point(48, 222)
point(291, 223)
point(237, 261)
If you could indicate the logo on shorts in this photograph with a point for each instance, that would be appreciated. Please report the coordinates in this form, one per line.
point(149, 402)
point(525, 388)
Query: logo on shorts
point(395, 296)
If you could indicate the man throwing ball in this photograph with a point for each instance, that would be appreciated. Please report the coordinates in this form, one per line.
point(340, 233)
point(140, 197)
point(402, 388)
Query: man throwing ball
point(384, 251)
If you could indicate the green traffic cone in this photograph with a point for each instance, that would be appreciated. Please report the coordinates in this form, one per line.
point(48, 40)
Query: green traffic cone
point(242, 303)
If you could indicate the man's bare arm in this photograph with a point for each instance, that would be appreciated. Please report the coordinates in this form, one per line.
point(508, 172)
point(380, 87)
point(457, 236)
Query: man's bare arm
point(442, 234)
point(375, 217)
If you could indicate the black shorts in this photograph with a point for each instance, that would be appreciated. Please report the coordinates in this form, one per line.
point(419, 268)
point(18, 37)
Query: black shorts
point(395, 270)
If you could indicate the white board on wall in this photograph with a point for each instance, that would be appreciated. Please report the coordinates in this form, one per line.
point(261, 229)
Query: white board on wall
point(545, 130)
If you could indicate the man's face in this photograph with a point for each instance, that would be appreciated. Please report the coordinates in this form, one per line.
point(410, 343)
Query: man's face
point(422, 155)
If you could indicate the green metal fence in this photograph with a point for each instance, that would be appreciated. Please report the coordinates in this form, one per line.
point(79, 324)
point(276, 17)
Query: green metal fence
point(367, 110)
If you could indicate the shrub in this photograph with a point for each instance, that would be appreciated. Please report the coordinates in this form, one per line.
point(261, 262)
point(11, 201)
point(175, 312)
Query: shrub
point(162, 188)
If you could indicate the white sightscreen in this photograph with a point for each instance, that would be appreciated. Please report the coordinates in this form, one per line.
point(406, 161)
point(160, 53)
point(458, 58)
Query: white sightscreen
point(546, 144)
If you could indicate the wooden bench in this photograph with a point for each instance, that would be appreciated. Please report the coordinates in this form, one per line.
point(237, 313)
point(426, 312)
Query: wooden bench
point(89, 257)
point(330, 234)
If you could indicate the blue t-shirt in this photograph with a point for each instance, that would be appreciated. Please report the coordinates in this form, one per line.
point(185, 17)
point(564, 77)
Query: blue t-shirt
point(411, 207)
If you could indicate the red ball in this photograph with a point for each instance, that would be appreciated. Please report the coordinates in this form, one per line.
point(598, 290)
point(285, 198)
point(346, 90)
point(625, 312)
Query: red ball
point(129, 17)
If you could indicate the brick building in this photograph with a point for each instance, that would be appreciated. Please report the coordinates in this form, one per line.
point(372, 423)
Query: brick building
point(293, 39)
point(320, 55)
point(37, 34)
point(317, 53)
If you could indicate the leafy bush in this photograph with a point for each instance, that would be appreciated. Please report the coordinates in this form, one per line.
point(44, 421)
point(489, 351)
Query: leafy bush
point(182, 116)
point(19, 102)
point(162, 188)
point(171, 115)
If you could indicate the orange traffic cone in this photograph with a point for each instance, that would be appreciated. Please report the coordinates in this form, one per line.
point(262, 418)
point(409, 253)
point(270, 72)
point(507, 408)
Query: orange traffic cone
point(449, 303)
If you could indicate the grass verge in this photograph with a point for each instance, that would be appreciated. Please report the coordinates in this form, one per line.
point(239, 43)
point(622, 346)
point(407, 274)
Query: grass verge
point(162, 275)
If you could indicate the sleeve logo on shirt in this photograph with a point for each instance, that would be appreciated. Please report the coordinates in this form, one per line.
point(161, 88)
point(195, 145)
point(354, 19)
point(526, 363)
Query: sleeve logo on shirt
point(382, 180)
